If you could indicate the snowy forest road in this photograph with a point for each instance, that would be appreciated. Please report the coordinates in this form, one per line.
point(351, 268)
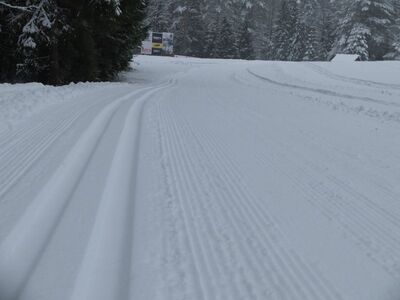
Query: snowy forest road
point(208, 179)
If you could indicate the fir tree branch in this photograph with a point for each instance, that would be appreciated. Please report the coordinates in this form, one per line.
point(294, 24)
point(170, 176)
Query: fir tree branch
point(30, 8)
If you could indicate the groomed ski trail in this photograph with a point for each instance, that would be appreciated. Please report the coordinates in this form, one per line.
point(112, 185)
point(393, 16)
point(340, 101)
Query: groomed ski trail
point(207, 179)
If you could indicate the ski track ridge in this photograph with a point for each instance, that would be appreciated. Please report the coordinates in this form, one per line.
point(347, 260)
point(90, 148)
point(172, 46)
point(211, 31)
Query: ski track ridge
point(190, 241)
point(290, 255)
point(298, 287)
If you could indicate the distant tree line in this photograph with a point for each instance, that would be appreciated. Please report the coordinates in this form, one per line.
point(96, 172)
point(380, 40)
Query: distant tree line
point(293, 30)
point(61, 41)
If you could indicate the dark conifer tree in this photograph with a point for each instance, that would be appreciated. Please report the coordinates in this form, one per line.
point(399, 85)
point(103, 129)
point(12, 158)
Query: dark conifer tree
point(225, 45)
point(59, 41)
point(245, 41)
point(211, 37)
point(8, 44)
point(284, 31)
point(190, 30)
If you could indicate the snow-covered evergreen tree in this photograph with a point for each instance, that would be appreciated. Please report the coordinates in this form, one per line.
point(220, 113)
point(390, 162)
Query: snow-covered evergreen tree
point(285, 30)
point(225, 44)
point(365, 28)
point(324, 27)
point(245, 41)
point(57, 41)
point(327, 30)
point(190, 29)
point(159, 14)
point(310, 23)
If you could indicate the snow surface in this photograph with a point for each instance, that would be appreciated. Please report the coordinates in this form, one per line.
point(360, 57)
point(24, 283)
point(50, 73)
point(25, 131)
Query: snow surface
point(203, 179)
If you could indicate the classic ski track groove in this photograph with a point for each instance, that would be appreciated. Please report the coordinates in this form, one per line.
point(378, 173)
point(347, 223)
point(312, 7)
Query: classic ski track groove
point(35, 214)
point(106, 281)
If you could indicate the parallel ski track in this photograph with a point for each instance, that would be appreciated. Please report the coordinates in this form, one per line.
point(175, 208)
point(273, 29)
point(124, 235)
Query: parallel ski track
point(372, 176)
point(111, 238)
point(247, 83)
point(372, 226)
point(324, 91)
point(188, 245)
point(45, 212)
point(315, 145)
point(276, 268)
point(369, 83)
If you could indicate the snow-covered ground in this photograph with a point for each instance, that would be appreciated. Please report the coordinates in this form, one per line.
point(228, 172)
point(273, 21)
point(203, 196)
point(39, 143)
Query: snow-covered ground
point(204, 179)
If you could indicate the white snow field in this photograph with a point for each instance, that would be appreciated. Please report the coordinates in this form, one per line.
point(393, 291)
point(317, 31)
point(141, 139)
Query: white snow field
point(204, 179)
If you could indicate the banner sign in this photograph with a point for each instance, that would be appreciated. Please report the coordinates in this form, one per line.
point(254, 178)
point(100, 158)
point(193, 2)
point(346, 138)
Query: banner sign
point(158, 43)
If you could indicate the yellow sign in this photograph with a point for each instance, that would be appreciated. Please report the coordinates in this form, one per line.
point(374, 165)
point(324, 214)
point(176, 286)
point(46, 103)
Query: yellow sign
point(157, 46)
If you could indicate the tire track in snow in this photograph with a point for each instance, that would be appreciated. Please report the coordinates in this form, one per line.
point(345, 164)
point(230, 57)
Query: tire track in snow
point(22, 247)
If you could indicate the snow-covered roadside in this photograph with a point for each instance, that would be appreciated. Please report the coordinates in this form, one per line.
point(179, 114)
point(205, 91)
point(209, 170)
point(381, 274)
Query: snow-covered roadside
point(18, 102)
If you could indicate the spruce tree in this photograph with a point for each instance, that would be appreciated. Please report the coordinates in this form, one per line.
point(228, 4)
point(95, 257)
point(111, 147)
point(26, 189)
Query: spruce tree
point(366, 28)
point(327, 30)
point(311, 22)
point(211, 37)
point(284, 36)
point(245, 41)
point(190, 30)
point(225, 46)
point(8, 44)
point(159, 15)
point(298, 41)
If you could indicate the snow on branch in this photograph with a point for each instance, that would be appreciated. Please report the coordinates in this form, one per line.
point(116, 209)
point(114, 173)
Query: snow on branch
point(29, 8)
